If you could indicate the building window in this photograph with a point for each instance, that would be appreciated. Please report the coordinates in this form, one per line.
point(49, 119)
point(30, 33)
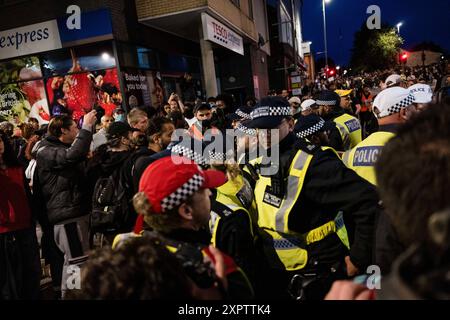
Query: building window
point(236, 3)
point(285, 26)
point(250, 9)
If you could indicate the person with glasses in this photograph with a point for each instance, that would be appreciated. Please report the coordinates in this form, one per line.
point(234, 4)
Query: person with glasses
point(306, 199)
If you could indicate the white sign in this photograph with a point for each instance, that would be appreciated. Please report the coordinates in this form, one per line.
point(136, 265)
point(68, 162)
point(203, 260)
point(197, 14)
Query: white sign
point(306, 47)
point(29, 39)
point(296, 92)
point(216, 32)
point(296, 79)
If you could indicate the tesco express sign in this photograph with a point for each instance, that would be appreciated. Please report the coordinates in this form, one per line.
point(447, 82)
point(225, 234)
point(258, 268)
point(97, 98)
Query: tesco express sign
point(29, 39)
point(216, 32)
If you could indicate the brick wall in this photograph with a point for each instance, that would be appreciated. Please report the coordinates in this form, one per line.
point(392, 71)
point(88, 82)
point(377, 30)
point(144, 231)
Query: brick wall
point(235, 15)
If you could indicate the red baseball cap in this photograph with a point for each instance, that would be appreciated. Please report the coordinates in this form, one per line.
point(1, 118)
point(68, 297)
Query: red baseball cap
point(169, 181)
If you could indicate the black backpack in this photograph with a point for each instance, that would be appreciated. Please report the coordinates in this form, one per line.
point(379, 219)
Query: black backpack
point(110, 205)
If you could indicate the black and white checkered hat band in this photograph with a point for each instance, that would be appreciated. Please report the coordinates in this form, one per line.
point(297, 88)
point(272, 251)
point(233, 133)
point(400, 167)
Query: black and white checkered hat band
point(248, 131)
point(182, 193)
point(217, 156)
point(315, 128)
point(189, 153)
point(402, 104)
point(243, 115)
point(267, 111)
point(326, 102)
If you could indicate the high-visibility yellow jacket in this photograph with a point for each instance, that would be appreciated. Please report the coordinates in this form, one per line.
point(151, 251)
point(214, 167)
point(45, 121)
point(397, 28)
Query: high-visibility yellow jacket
point(363, 157)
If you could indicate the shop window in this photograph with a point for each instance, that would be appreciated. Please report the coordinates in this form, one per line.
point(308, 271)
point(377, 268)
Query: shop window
point(136, 57)
point(78, 59)
point(18, 101)
point(78, 93)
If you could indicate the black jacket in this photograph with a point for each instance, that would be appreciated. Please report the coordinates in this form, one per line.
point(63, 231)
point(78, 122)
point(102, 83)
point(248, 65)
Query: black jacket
point(334, 136)
point(60, 172)
point(239, 286)
point(330, 187)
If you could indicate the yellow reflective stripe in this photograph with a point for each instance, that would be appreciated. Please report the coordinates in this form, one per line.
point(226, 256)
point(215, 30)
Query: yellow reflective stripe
point(345, 157)
point(171, 248)
point(121, 238)
point(344, 135)
point(331, 149)
point(213, 225)
point(315, 235)
point(292, 191)
point(320, 233)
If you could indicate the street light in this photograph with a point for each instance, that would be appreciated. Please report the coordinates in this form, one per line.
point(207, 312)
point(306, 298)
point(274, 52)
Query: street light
point(325, 33)
point(398, 27)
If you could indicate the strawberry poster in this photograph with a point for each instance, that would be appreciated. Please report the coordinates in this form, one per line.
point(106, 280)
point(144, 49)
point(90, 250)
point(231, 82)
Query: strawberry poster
point(77, 94)
point(22, 92)
point(20, 101)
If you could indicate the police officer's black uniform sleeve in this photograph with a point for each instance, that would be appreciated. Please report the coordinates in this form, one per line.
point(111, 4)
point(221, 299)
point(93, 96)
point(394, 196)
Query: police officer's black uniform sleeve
point(335, 140)
point(235, 239)
point(334, 187)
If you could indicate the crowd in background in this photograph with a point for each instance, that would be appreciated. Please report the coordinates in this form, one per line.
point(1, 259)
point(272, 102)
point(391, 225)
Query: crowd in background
point(56, 178)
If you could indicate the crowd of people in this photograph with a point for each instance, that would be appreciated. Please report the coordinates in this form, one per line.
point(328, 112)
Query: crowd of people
point(288, 197)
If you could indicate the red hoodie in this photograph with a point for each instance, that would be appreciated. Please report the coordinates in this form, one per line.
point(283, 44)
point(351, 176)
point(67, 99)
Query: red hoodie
point(15, 212)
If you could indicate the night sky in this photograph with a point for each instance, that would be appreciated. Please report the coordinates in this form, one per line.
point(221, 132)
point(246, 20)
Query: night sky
point(423, 20)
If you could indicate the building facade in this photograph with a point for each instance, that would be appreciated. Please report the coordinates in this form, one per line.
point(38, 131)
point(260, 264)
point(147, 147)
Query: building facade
point(128, 53)
point(286, 61)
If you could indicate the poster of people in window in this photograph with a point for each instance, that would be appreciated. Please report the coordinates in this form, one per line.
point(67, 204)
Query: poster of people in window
point(68, 81)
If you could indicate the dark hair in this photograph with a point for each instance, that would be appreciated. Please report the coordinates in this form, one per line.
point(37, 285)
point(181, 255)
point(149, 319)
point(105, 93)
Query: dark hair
point(211, 99)
point(140, 269)
point(250, 98)
point(33, 120)
point(156, 125)
point(188, 110)
point(203, 106)
point(178, 120)
point(9, 158)
point(7, 128)
point(109, 89)
point(58, 123)
point(413, 172)
point(27, 130)
point(228, 99)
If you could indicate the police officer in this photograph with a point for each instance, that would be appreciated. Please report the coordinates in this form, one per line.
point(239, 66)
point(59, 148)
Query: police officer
point(314, 129)
point(392, 106)
point(348, 129)
point(315, 216)
point(233, 217)
point(174, 200)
